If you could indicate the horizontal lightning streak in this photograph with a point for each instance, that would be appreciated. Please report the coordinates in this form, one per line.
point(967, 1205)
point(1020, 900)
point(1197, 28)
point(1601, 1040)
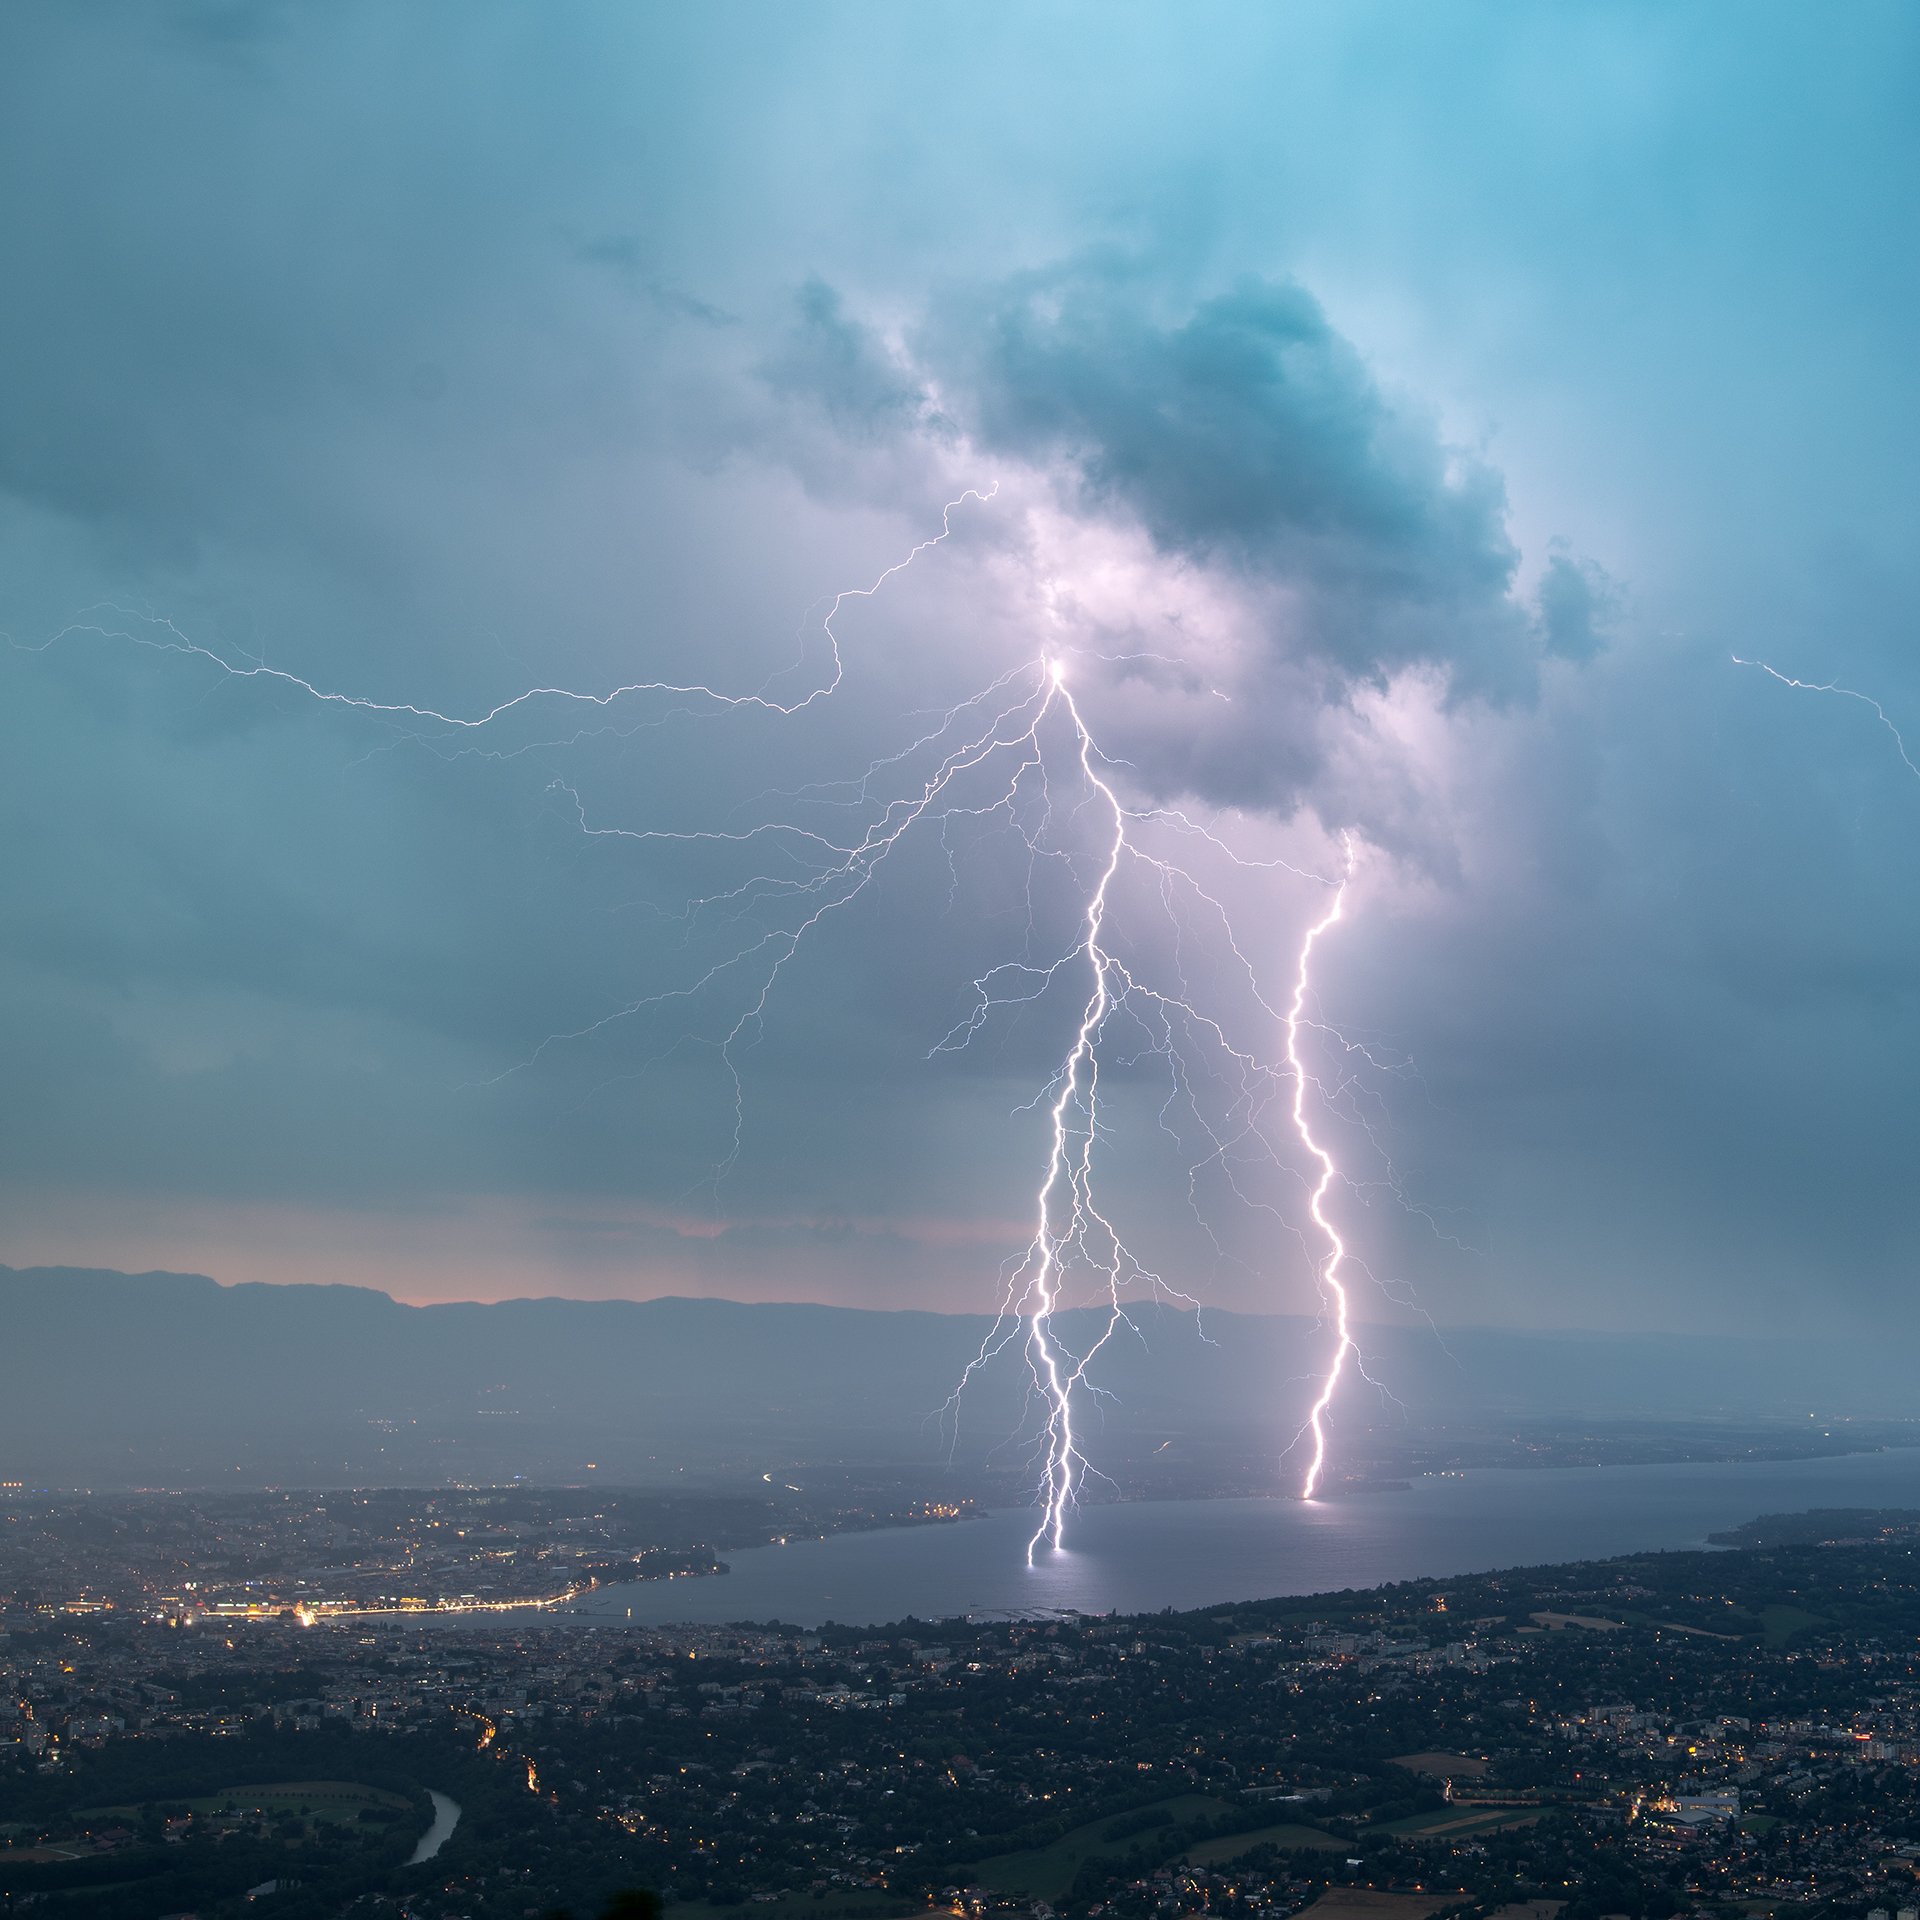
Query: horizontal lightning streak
point(179, 643)
point(1848, 693)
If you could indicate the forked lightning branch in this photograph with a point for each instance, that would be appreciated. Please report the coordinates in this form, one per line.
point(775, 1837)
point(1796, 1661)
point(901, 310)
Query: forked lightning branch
point(1239, 1092)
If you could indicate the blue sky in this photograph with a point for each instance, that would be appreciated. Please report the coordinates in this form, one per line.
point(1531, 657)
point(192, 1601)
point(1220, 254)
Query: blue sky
point(1447, 393)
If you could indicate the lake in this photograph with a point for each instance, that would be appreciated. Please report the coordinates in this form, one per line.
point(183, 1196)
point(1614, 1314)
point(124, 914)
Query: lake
point(1139, 1556)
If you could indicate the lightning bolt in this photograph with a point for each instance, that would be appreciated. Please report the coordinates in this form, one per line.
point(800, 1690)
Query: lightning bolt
point(1000, 756)
point(1332, 1286)
point(1034, 1287)
point(1018, 756)
point(1070, 1225)
point(1848, 693)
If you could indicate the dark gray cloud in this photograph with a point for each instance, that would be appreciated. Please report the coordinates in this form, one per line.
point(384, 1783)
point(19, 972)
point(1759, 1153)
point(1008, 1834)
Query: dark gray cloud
point(1250, 442)
point(1577, 603)
point(1247, 429)
point(832, 360)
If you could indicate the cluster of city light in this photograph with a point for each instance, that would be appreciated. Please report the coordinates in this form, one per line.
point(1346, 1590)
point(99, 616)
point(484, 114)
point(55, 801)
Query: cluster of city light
point(309, 1611)
point(1006, 756)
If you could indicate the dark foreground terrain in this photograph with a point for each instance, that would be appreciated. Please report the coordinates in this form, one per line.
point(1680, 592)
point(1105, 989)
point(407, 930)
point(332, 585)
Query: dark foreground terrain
point(1724, 1732)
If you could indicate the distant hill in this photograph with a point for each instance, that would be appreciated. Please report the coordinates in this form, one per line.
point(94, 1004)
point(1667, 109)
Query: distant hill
point(129, 1379)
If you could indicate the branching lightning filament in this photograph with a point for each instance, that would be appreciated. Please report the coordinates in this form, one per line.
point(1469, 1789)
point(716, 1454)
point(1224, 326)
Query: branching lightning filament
point(1034, 1288)
point(1114, 893)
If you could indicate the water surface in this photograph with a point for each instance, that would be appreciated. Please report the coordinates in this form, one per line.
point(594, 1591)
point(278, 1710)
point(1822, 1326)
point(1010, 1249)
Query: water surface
point(1139, 1556)
point(446, 1816)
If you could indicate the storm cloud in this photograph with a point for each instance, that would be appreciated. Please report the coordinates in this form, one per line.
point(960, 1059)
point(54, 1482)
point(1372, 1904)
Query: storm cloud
point(1398, 422)
point(1247, 431)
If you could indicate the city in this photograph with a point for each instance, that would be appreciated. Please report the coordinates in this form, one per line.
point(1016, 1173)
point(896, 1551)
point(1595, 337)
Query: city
point(197, 1558)
point(1731, 1732)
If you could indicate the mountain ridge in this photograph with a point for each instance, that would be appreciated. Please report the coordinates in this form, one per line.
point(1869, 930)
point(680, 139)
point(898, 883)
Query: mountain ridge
point(166, 1377)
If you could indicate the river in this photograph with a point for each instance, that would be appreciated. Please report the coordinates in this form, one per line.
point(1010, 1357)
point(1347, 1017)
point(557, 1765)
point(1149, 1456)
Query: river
point(446, 1816)
point(1139, 1556)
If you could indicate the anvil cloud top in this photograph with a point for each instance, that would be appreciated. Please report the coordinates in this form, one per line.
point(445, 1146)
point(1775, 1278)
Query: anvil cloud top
point(1393, 424)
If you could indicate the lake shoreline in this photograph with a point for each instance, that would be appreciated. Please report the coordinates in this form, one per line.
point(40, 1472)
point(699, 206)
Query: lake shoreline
point(1136, 1556)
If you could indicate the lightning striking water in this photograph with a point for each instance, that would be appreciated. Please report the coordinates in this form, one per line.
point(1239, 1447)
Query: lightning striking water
point(994, 758)
point(1015, 757)
point(1064, 1164)
point(1033, 1290)
point(1849, 693)
point(1333, 1287)
point(1070, 1226)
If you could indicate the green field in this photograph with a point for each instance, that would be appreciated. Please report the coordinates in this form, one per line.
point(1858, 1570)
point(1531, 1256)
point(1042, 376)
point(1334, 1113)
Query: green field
point(1047, 1872)
point(1780, 1623)
point(1363, 1903)
point(1458, 1822)
point(316, 1802)
point(837, 1903)
point(1231, 1846)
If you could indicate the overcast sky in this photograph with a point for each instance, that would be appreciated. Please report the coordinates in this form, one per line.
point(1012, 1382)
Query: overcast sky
point(1395, 417)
